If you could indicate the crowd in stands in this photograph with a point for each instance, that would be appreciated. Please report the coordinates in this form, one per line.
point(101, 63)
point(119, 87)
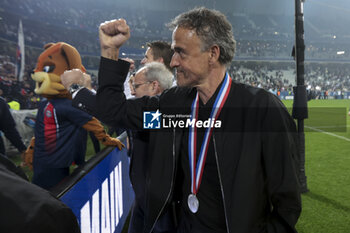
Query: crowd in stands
point(12, 89)
point(258, 36)
point(263, 76)
point(331, 80)
point(322, 80)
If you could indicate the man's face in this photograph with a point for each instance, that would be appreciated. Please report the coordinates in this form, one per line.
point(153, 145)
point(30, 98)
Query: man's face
point(148, 56)
point(191, 64)
point(140, 86)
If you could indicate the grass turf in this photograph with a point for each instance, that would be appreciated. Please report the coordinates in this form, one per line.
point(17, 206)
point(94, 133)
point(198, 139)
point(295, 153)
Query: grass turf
point(326, 207)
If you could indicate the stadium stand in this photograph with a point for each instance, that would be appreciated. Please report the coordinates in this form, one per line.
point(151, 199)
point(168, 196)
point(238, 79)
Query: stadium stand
point(265, 41)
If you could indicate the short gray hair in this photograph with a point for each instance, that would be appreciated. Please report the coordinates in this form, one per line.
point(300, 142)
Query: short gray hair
point(156, 71)
point(212, 27)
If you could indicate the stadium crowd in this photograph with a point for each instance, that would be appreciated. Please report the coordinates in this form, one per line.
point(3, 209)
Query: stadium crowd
point(12, 89)
point(258, 36)
point(322, 80)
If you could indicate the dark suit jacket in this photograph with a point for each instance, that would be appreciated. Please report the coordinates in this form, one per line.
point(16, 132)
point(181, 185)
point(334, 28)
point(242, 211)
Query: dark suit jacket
point(28, 208)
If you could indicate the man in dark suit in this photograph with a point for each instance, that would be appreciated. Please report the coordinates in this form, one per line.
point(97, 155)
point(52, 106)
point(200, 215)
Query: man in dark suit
point(231, 164)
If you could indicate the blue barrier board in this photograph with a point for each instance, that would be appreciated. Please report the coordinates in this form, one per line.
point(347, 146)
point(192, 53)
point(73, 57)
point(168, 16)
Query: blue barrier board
point(101, 200)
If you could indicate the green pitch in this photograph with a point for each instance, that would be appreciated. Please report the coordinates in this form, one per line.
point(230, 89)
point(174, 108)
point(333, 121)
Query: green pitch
point(326, 207)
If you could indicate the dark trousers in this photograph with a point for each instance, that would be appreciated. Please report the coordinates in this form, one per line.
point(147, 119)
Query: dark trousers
point(136, 219)
point(164, 224)
point(47, 178)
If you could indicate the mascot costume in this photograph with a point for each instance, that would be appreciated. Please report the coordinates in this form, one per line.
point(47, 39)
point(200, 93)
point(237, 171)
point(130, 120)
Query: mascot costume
point(60, 129)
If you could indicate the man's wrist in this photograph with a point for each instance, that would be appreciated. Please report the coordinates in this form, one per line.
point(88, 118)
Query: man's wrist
point(110, 53)
point(74, 88)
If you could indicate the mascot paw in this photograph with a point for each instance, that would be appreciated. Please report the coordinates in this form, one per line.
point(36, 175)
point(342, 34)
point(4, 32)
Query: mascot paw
point(109, 141)
point(28, 158)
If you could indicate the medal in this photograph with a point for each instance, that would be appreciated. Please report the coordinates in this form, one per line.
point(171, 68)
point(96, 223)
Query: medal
point(193, 203)
point(197, 169)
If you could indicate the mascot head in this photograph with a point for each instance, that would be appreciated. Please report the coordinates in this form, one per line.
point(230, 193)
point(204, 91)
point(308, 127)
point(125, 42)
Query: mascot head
point(55, 59)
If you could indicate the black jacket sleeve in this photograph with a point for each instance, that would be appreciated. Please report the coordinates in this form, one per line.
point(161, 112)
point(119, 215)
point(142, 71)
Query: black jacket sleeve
point(8, 126)
point(280, 155)
point(111, 104)
point(86, 100)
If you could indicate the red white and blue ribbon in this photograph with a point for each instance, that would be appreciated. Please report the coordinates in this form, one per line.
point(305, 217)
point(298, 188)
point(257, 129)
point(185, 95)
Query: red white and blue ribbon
point(197, 170)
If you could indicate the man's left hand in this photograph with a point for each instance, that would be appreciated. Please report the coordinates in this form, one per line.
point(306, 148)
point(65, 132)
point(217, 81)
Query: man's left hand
point(70, 77)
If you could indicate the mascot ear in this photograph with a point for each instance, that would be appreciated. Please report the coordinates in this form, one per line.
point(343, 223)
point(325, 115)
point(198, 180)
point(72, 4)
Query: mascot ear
point(48, 45)
point(83, 69)
point(72, 56)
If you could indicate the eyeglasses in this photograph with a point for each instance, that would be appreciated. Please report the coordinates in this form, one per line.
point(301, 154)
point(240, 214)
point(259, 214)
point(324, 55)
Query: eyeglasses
point(137, 85)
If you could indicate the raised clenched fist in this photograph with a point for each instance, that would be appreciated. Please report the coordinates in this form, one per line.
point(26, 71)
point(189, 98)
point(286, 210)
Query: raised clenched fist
point(113, 35)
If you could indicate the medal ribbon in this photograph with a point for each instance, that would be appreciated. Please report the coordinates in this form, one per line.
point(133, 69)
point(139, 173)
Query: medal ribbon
point(197, 171)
